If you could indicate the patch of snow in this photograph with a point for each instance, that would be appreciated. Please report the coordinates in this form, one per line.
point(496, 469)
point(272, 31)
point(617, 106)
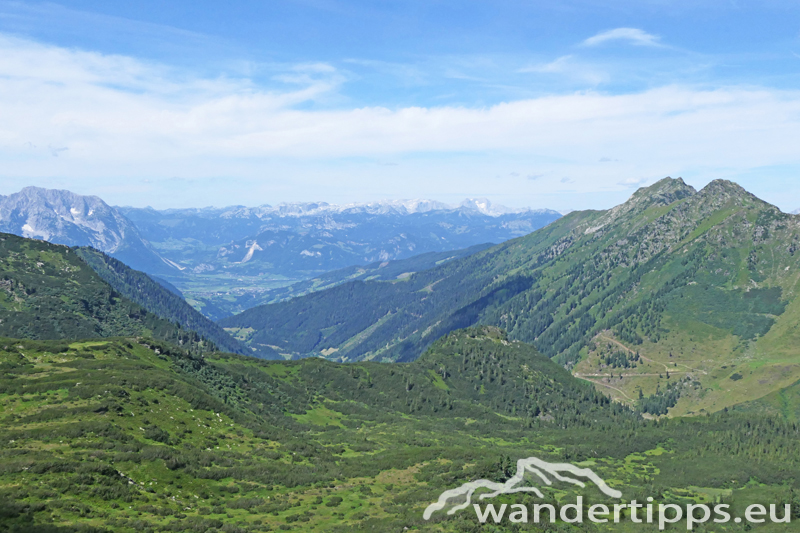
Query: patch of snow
point(173, 263)
point(30, 232)
point(251, 250)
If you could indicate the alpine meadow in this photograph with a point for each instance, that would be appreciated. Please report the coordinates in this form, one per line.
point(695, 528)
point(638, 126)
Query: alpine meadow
point(328, 266)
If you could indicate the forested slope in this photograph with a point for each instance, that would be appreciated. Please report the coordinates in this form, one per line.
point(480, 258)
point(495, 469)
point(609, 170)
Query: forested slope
point(150, 294)
point(48, 292)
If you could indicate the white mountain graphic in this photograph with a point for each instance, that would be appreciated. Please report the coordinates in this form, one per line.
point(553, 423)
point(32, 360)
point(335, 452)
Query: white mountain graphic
point(461, 497)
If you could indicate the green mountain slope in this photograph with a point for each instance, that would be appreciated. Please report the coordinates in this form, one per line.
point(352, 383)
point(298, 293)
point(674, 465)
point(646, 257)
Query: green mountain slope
point(784, 403)
point(131, 434)
point(48, 292)
point(378, 271)
point(700, 284)
point(159, 300)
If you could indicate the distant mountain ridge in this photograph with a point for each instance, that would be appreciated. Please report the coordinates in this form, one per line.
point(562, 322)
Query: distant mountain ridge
point(234, 256)
point(226, 225)
point(63, 217)
point(379, 271)
point(379, 207)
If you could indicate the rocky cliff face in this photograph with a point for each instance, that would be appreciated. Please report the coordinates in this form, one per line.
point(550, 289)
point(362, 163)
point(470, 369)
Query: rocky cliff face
point(63, 217)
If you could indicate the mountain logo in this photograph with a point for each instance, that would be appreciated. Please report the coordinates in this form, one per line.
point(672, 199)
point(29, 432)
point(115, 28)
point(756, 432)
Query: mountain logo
point(461, 497)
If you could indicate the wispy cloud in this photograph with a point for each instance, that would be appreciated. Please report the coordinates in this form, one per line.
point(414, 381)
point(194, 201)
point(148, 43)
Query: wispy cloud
point(55, 150)
point(559, 65)
point(631, 183)
point(632, 35)
point(571, 67)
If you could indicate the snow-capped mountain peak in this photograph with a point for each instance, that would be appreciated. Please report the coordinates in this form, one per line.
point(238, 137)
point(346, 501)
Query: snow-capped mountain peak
point(485, 207)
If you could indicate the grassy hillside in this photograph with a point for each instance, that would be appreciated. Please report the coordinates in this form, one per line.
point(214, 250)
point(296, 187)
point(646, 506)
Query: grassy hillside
point(702, 285)
point(784, 403)
point(48, 292)
point(159, 300)
point(129, 434)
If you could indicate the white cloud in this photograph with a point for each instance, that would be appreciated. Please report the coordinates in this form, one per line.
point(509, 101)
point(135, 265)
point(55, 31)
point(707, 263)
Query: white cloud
point(633, 35)
point(121, 117)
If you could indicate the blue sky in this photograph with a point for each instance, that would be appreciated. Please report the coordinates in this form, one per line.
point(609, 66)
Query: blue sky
point(567, 105)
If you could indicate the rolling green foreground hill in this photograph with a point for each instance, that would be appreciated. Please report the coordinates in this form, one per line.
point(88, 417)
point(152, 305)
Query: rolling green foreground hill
point(48, 292)
point(686, 298)
point(130, 434)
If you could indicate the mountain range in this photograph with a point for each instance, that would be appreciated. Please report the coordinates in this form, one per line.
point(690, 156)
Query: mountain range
point(674, 283)
point(289, 239)
point(378, 271)
point(686, 295)
point(232, 258)
point(223, 260)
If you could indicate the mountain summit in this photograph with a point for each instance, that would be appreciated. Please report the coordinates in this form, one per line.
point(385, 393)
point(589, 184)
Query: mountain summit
point(63, 217)
point(663, 192)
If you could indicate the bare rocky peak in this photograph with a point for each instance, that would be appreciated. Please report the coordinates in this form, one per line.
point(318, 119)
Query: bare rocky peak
point(663, 192)
point(63, 217)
